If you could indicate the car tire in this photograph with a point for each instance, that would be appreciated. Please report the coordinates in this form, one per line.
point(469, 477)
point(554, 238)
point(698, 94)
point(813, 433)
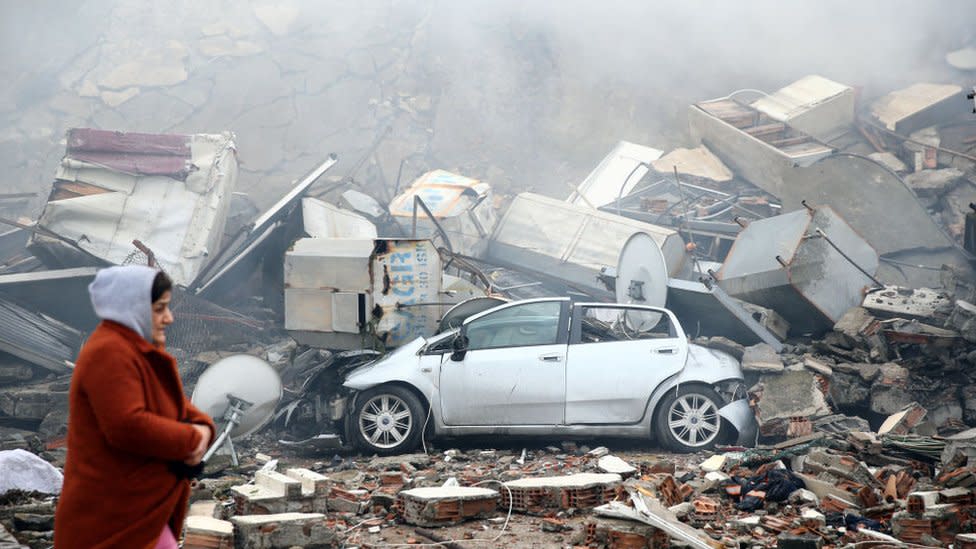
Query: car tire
point(387, 420)
point(687, 419)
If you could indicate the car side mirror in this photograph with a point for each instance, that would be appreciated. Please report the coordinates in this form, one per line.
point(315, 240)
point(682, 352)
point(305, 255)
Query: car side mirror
point(460, 346)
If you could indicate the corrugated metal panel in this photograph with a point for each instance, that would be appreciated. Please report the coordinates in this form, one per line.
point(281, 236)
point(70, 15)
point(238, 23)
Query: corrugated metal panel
point(132, 153)
point(36, 338)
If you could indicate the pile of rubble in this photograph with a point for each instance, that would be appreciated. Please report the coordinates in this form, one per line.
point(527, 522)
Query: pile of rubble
point(892, 488)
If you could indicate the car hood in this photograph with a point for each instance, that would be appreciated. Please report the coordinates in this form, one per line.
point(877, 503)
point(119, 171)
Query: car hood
point(388, 368)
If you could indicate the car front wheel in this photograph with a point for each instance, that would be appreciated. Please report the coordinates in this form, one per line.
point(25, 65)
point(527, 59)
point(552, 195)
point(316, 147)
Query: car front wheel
point(387, 420)
point(687, 419)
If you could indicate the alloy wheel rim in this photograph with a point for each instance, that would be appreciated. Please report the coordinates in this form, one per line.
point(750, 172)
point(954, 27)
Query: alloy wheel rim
point(385, 421)
point(693, 419)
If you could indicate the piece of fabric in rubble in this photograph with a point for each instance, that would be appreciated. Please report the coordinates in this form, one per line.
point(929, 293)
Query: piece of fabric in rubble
point(122, 294)
point(777, 484)
point(852, 521)
point(128, 420)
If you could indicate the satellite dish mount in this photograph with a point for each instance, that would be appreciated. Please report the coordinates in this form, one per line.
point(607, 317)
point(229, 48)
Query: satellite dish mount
point(236, 407)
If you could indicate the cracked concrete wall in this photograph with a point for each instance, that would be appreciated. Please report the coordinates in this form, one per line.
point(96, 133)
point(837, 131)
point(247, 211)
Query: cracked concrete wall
point(528, 96)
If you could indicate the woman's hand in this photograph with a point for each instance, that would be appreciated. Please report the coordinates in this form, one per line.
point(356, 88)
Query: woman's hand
point(197, 455)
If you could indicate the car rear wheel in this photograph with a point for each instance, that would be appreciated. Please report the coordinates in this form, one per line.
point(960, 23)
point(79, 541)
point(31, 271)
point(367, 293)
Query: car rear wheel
point(387, 420)
point(687, 419)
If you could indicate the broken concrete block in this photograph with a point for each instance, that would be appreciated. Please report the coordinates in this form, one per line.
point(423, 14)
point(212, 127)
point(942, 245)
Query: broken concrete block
point(933, 183)
point(440, 506)
point(944, 407)
point(839, 424)
point(854, 323)
point(725, 345)
point(918, 303)
point(208, 533)
point(889, 392)
point(794, 541)
point(283, 530)
point(714, 463)
point(788, 395)
point(613, 532)
point(613, 464)
point(849, 390)
point(761, 358)
point(963, 320)
point(313, 484)
point(817, 366)
point(579, 491)
point(347, 501)
point(393, 463)
point(867, 371)
point(902, 422)
point(959, 449)
point(890, 161)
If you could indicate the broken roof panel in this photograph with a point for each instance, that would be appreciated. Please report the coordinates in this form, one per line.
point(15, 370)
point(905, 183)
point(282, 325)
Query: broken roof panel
point(37, 338)
point(698, 162)
point(615, 176)
point(461, 206)
point(572, 243)
point(171, 192)
point(917, 106)
point(813, 104)
point(446, 194)
point(323, 220)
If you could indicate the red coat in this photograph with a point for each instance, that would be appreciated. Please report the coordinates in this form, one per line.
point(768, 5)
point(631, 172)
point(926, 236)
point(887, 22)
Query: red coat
point(127, 415)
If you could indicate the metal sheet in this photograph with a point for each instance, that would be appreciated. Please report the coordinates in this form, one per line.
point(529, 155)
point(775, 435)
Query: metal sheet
point(36, 338)
point(180, 218)
point(572, 243)
point(61, 294)
point(329, 263)
point(406, 272)
point(781, 263)
point(615, 176)
point(866, 194)
point(462, 206)
point(230, 263)
point(323, 220)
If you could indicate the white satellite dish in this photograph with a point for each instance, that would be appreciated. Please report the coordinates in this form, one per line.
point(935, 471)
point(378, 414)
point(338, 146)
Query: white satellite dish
point(642, 273)
point(240, 393)
point(642, 279)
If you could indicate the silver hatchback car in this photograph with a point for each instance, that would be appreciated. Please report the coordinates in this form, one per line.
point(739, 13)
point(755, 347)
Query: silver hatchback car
point(554, 368)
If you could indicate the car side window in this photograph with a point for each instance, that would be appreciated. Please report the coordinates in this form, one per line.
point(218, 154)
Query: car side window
point(602, 324)
point(516, 326)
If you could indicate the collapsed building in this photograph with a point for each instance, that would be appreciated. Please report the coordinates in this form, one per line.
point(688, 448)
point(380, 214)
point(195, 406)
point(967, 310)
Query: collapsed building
point(773, 239)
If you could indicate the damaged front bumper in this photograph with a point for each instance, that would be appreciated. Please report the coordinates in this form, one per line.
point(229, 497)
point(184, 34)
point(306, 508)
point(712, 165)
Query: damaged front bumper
point(740, 415)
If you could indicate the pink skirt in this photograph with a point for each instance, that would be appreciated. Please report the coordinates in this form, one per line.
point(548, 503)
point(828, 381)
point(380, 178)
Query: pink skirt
point(166, 539)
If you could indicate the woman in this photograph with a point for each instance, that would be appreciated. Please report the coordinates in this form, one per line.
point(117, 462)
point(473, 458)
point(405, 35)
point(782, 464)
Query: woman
point(130, 428)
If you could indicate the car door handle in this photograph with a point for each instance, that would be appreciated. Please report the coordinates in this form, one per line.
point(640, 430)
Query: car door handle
point(667, 351)
point(550, 358)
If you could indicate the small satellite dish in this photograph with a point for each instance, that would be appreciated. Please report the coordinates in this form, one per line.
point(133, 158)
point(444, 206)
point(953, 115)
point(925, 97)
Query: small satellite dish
point(642, 279)
point(642, 274)
point(243, 378)
point(457, 314)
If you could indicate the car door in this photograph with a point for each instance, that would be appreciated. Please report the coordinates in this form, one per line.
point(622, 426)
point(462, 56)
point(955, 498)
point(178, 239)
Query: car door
point(514, 369)
point(616, 357)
